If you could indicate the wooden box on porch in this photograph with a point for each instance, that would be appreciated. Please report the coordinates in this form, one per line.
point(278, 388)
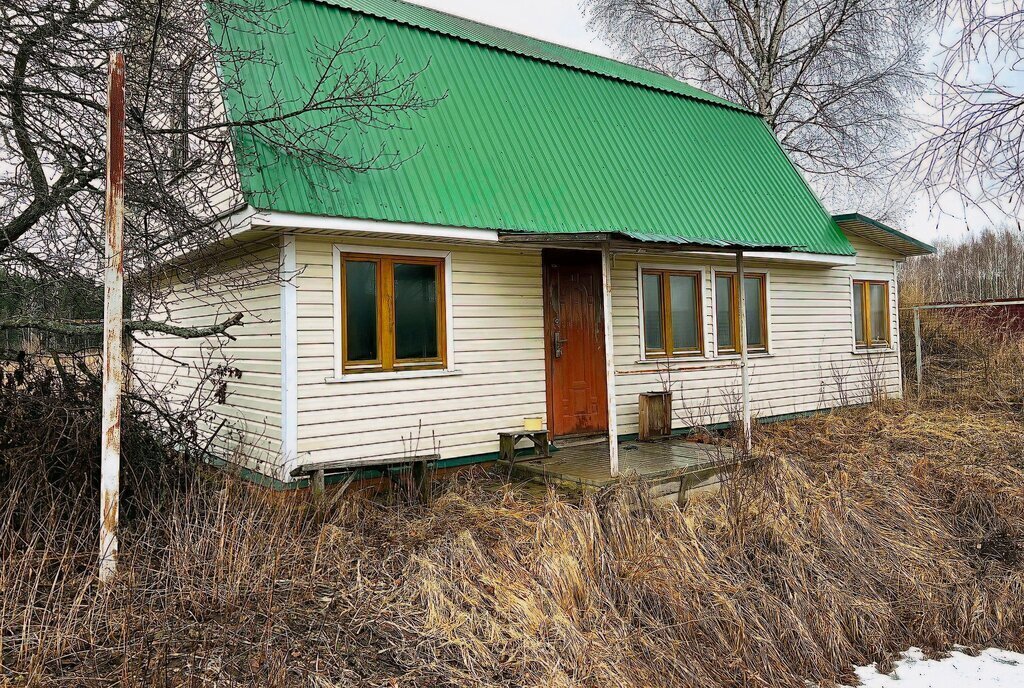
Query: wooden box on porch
point(655, 415)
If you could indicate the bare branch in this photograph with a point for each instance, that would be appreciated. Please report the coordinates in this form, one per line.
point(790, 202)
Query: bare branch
point(149, 326)
point(832, 78)
point(975, 143)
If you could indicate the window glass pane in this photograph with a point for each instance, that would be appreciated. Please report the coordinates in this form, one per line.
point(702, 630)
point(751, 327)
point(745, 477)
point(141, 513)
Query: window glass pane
point(879, 331)
point(858, 312)
point(755, 329)
point(360, 310)
point(683, 292)
point(653, 338)
point(723, 311)
point(415, 311)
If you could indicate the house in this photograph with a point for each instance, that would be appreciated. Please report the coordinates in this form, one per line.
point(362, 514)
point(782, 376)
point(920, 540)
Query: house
point(567, 237)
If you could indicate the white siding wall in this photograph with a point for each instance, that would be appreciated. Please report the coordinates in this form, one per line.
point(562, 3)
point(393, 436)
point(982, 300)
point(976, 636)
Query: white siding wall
point(498, 343)
point(252, 434)
point(810, 364)
point(499, 354)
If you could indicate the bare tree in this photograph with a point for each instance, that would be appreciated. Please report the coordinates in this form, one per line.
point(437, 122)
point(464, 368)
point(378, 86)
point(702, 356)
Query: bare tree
point(180, 178)
point(832, 78)
point(985, 265)
point(976, 144)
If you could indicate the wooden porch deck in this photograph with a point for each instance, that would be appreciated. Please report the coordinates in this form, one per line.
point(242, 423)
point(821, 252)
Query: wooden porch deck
point(664, 461)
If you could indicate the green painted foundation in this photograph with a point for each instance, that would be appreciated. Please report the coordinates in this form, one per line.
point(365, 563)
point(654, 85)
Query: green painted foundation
point(456, 462)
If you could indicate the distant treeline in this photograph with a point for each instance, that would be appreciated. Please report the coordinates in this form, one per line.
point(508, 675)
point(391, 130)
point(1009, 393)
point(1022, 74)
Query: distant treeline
point(73, 299)
point(984, 265)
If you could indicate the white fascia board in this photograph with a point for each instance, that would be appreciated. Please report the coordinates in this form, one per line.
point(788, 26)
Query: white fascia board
point(805, 258)
point(795, 257)
point(236, 221)
point(293, 221)
point(789, 257)
point(345, 224)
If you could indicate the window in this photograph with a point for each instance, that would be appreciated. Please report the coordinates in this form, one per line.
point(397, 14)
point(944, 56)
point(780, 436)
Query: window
point(870, 313)
point(727, 309)
point(392, 313)
point(672, 313)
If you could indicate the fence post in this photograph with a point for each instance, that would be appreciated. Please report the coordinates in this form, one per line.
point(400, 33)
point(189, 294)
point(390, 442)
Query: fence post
point(113, 321)
point(917, 349)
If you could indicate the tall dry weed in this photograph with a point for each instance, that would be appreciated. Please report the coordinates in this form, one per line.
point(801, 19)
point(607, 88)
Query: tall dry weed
point(862, 532)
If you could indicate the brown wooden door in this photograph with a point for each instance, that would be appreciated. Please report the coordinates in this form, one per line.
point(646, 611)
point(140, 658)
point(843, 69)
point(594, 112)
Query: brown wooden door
point(574, 329)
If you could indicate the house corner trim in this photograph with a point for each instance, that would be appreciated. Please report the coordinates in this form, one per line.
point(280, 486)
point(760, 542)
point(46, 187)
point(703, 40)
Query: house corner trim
point(289, 356)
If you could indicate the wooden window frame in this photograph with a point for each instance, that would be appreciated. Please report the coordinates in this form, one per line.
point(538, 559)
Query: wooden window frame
point(664, 275)
point(865, 302)
point(376, 364)
point(386, 360)
point(734, 311)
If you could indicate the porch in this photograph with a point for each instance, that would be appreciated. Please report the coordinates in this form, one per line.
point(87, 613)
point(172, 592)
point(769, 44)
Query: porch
point(580, 362)
point(671, 466)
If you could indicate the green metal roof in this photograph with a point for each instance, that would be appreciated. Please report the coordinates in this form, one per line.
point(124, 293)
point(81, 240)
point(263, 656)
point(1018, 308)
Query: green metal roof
point(531, 137)
point(491, 36)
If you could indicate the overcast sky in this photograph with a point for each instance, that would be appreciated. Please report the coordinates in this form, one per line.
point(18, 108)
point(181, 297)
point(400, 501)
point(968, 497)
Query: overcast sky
point(561, 21)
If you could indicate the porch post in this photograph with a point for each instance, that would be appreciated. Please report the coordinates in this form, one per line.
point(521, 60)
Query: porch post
point(609, 357)
point(744, 369)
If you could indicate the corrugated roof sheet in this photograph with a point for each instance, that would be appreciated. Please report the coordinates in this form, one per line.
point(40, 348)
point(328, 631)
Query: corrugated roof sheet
point(494, 37)
point(531, 137)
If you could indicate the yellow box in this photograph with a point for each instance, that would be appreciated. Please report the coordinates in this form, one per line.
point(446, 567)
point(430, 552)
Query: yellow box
point(533, 424)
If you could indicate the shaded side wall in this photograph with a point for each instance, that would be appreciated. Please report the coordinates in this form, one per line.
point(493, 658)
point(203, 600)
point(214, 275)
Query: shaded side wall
point(171, 369)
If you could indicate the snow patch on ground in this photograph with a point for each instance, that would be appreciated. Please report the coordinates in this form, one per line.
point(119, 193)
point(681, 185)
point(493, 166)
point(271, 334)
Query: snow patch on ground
point(992, 668)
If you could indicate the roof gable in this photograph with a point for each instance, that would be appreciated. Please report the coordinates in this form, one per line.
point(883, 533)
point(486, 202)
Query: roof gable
point(531, 137)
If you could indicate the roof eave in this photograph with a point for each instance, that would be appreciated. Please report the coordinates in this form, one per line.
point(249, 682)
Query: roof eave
point(882, 234)
point(627, 239)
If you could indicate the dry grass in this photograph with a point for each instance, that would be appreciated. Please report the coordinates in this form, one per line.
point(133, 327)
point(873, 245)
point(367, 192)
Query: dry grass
point(968, 355)
point(859, 533)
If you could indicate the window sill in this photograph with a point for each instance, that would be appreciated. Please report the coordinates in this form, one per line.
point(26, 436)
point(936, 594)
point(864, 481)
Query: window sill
point(692, 358)
point(874, 350)
point(393, 375)
point(700, 360)
point(736, 357)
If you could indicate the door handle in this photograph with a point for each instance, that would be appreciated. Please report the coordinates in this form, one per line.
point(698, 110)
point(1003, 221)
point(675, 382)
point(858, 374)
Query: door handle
point(556, 344)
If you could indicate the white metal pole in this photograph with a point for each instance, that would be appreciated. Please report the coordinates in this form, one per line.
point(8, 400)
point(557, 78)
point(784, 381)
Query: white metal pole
point(113, 320)
point(609, 358)
point(742, 339)
point(917, 349)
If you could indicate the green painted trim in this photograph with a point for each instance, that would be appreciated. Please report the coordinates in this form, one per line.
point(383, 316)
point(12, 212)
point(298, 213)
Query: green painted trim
point(456, 462)
point(248, 474)
point(276, 484)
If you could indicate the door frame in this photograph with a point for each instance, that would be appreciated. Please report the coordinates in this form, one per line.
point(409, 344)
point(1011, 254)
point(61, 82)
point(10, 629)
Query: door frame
point(549, 389)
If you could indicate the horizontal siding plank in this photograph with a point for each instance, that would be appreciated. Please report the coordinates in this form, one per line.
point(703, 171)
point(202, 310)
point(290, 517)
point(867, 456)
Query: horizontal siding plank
point(251, 431)
point(499, 345)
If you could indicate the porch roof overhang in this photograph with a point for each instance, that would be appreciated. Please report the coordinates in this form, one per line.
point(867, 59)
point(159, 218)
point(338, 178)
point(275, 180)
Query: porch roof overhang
point(625, 240)
point(251, 221)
